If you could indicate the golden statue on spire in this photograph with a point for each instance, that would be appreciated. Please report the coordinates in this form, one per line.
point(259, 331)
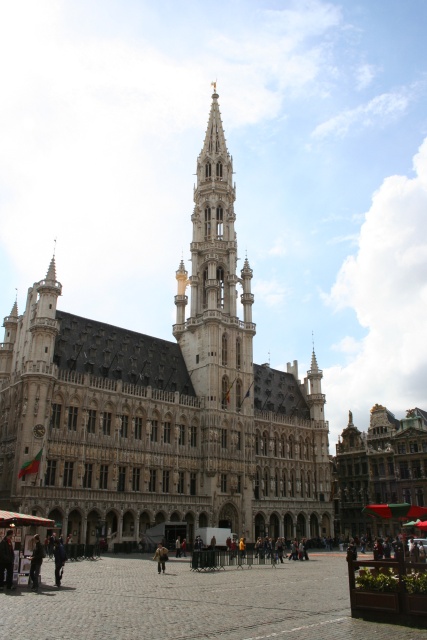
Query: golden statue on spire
point(213, 84)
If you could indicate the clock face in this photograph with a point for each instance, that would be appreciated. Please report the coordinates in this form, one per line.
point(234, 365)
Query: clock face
point(39, 431)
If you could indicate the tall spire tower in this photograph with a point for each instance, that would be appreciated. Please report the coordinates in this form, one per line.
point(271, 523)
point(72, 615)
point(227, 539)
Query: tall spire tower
point(216, 345)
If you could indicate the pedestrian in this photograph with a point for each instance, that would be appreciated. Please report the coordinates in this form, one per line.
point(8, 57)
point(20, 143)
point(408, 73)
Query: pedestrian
point(387, 549)
point(304, 547)
point(7, 558)
point(213, 542)
point(161, 556)
point(51, 544)
point(198, 544)
point(60, 558)
point(242, 548)
point(184, 548)
point(233, 548)
point(421, 553)
point(363, 541)
point(378, 549)
point(414, 552)
point(279, 549)
point(178, 547)
point(36, 562)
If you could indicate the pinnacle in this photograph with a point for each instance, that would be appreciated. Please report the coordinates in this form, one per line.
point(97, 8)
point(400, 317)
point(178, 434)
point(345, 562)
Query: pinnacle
point(314, 365)
point(14, 312)
point(214, 143)
point(51, 272)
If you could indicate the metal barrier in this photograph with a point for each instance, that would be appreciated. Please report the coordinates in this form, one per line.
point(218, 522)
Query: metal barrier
point(82, 552)
point(214, 560)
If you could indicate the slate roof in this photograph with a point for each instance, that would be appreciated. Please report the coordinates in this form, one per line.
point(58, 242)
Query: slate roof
point(104, 350)
point(279, 392)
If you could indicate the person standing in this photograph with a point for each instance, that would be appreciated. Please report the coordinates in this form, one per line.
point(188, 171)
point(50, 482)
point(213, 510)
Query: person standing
point(178, 547)
point(184, 548)
point(242, 548)
point(7, 558)
point(161, 556)
point(60, 557)
point(36, 562)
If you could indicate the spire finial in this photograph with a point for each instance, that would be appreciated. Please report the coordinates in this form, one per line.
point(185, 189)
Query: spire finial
point(213, 84)
point(54, 247)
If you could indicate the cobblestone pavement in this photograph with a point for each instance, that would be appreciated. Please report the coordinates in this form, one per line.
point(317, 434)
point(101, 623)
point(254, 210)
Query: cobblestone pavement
point(123, 598)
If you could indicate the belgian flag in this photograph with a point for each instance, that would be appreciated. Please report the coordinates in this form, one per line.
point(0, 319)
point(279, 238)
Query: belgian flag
point(31, 466)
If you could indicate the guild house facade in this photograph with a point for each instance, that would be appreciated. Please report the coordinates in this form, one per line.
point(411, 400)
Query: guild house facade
point(134, 431)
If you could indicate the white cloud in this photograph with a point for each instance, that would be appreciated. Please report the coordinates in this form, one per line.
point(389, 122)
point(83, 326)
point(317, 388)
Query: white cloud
point(377, 112)
point(271, 293)
point(386, 285)
point(365, 74)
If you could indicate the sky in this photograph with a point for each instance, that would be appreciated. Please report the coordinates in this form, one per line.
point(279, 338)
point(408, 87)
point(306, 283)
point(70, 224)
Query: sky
point(103, 112)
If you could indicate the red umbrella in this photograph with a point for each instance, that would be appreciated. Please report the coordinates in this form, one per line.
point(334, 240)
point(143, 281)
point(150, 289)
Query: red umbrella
point(401, 511)
point(8, 518)
point(421, 525)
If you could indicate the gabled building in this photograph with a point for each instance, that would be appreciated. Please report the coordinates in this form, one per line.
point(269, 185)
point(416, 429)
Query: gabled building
point(135, 430)
point(388, 464)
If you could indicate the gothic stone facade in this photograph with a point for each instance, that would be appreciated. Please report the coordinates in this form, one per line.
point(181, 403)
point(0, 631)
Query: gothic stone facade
point(135, 430)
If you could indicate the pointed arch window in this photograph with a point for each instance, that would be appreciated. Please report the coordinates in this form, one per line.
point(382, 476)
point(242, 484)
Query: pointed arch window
point(208, 170)
point(219, 223)
point(205, 293)
point(238, 353)
point(225, 393)
point(238, 394)
point(221, 278)
point(224, 350)
point(219, 169)
point(207, 223)
point(266, 481)
point(284, 485)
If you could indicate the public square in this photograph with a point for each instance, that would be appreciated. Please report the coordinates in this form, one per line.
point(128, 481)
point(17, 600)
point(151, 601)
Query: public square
point(123, 598)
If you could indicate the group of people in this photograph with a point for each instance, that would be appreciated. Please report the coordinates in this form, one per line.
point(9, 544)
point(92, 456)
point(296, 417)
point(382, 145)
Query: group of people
point(7, 559)
point(181, 547)
point(384, 548)
point(278, 549)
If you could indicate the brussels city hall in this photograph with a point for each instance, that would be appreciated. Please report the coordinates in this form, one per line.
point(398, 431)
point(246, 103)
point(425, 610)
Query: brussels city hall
point(131, 431)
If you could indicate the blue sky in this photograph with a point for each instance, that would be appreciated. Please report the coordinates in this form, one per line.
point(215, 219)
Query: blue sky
point(102, 115)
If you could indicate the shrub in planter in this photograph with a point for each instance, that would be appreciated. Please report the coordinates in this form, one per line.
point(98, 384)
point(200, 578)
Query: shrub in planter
point(416, 582)
point(386, 581)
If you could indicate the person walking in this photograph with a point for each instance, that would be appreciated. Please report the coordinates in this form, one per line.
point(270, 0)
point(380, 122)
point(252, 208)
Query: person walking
point(184, 548)
point(161, 556)
point(60, 558)
point(7, 558)
point(279, 549)
point(36, 562)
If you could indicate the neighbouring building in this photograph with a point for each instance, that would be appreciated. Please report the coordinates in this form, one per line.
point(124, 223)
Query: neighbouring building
point(388, 464)
point(135, 430)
